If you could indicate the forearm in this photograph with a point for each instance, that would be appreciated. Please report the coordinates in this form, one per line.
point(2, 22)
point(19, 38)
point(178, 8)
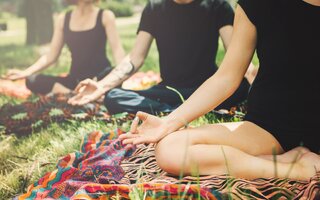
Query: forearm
point(119, 74)
point(211, 94)
point(40, 65)
point(119, 56)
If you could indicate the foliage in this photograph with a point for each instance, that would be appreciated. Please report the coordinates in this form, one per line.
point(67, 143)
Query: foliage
point(118, 8)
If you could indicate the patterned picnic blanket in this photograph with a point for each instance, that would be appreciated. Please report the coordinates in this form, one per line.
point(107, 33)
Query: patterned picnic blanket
point(105, 169)
point(96, 173)
point(33, 115)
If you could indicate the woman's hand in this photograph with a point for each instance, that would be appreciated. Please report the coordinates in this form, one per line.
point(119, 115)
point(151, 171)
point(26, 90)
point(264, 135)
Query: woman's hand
point(87, 91)
point(16, 74)
point(152, 130)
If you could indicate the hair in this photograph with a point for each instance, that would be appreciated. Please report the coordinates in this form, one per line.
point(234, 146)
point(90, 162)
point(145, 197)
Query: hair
point(73, 2)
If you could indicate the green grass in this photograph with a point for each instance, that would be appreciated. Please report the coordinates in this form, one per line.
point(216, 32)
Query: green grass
point(24, 160)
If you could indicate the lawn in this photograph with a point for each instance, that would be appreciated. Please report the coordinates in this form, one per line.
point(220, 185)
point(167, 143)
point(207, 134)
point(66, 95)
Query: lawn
point(24, 160)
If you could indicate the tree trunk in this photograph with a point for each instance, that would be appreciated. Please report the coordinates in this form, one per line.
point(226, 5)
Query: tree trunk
point(39, 17)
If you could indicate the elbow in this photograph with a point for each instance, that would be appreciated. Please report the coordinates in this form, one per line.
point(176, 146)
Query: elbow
point(229, 82)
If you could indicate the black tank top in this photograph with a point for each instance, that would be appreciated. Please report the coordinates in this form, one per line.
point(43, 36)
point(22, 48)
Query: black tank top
point(285, 93)
point(88, 50)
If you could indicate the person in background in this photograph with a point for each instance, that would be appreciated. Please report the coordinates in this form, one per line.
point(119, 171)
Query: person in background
point(187, 36)
point(85, 30)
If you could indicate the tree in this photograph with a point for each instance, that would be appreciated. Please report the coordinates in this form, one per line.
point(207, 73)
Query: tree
point(39, 18)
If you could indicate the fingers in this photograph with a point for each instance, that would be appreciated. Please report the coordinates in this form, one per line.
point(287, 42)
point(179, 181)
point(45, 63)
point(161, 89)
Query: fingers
point(128, 138)
point(12, 74)
point(75, 99)
point(134, 125)
point(144, 140)
point(82, 84)
point(13, 71)
point(142, 116)
point(135, 139)
point(84, 100)
point(13, 77)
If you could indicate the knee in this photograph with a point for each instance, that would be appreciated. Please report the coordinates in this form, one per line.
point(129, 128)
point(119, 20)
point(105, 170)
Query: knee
point(31, 82)
point(169, 155)
point(111, 100)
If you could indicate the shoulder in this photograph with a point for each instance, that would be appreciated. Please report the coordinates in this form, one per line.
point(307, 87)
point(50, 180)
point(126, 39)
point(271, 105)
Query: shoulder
point(108, 17)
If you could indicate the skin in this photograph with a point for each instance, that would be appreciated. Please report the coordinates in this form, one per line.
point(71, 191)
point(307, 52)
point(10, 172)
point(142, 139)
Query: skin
point(83, 18)
point(90, 90)
point(221, 146)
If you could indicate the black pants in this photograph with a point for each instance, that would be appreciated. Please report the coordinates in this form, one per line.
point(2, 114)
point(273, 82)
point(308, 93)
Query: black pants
point(43, 84)
point(160, 99)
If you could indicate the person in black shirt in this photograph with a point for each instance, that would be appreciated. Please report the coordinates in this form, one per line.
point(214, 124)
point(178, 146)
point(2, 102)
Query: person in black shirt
point(85, 30)
point(186, 34)
point(279, 136)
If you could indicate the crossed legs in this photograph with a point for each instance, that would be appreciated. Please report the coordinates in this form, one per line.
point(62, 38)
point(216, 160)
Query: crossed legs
point(240, 149)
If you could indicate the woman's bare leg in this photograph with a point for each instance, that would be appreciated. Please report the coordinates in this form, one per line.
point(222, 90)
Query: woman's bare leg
point(288, 157)
point(229, 148)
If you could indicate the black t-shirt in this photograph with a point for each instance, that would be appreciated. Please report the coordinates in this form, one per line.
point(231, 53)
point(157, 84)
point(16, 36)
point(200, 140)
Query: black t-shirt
point(187, 38)
point(285, 94)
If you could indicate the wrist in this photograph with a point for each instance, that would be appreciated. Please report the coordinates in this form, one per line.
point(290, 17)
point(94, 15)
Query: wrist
point(101, 88)
point(175, 123)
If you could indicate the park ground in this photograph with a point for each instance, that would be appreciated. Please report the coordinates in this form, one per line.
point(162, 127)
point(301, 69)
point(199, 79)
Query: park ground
point(24, 160)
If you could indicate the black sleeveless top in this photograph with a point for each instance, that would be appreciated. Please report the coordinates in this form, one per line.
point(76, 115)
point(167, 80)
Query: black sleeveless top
point(285, 94)
point(88, 50)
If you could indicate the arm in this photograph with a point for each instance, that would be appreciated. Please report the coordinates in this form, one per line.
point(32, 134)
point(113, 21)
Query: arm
point(89, 90)
point(226, 36)
point(129, 64)
point(213, 92)
point(46, 60)
point(112, 34)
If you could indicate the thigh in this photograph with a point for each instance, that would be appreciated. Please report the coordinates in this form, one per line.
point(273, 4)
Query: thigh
point(244, 136)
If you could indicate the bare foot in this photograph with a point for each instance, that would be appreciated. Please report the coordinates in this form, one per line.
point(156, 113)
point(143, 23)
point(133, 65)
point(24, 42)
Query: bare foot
point(309, 165)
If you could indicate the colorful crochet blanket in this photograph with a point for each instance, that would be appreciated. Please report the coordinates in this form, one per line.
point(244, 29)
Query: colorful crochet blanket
point(36, 114)
point(105, 169)
point(96, 173)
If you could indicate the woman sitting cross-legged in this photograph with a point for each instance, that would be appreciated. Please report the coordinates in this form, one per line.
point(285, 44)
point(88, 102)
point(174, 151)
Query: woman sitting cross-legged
point(282, 118)
point(85, 30)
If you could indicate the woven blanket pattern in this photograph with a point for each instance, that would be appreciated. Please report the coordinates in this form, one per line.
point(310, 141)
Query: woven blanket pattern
point(95, 173)
point(33, 115)
point(142, 167)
